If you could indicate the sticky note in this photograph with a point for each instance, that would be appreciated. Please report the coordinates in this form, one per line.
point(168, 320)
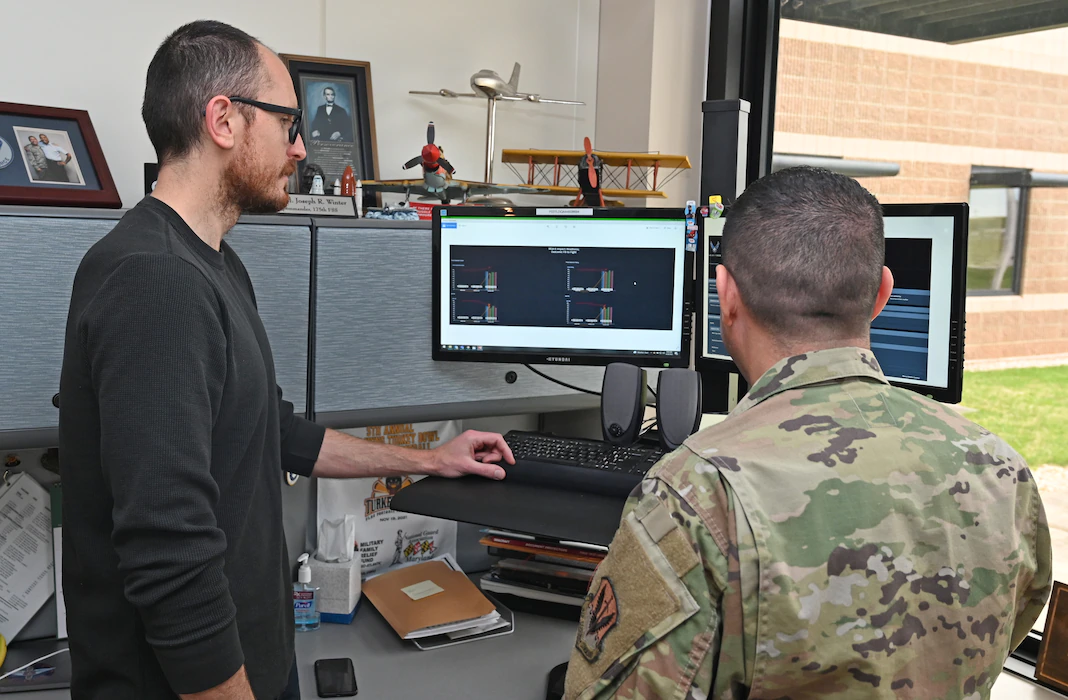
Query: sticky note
point(423, 589)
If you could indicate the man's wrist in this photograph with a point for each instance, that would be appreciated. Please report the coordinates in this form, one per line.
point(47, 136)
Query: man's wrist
point(428, 462)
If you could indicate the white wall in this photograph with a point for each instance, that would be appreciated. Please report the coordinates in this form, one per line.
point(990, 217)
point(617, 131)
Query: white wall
point(100, 67)
point(429, 45)
point(415, 44)
point(680, 52)
point(624, 75)
point(651, 82)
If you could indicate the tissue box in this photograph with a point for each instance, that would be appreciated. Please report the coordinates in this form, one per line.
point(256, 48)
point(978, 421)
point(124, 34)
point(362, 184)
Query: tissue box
point(339, 588)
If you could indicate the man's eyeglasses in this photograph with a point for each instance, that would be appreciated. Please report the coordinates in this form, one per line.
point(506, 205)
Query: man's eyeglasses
point(297, 114)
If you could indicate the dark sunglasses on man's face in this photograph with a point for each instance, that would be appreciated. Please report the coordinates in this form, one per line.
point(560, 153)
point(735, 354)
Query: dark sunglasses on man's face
point(297, 114)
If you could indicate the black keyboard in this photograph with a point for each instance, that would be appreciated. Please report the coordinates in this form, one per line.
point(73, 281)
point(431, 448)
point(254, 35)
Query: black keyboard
point(582, 465)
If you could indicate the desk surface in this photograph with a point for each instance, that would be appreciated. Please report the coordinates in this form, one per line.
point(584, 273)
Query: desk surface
point(513, 667)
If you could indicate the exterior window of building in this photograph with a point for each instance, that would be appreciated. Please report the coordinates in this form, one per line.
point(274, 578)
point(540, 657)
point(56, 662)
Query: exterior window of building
point(995, 239)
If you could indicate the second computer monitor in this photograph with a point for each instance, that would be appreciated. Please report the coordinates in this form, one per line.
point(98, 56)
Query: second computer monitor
point(919, 337)
point(560, 286)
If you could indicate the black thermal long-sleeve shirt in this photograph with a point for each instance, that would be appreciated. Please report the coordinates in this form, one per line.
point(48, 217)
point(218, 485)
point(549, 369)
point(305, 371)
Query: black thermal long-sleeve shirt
point(173, 438)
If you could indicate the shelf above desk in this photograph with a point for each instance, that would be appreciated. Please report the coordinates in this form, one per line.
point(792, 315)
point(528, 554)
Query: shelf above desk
point(535, 510)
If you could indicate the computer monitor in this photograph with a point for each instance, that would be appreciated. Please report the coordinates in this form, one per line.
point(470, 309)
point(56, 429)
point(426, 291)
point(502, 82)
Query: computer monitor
point(561, 286)
point(919, 337)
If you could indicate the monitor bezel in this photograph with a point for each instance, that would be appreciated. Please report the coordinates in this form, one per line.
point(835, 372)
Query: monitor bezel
point(951, 393)
point(563, 356)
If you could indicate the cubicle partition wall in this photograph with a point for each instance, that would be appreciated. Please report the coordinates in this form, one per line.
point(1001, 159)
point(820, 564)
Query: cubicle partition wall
point(372, 343)
point(40, 249)
point(276, 252)
point(39, 253)
point(346, 305)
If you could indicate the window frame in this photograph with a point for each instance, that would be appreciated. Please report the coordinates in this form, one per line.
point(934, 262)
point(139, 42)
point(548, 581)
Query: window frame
point(984, 177)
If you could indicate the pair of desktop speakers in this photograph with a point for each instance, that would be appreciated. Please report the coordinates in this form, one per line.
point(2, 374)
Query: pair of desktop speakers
point(624, 398)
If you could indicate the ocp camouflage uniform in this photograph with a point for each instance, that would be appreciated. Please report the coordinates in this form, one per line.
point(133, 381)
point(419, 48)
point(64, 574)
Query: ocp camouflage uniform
point(834, 537)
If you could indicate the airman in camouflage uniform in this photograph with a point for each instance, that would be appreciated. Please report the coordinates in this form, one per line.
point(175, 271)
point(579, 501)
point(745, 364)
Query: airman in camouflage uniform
point(833, 537)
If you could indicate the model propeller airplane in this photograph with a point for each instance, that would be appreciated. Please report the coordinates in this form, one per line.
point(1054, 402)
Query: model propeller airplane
point(437, 181)
point(488, 85)
point(591, 176)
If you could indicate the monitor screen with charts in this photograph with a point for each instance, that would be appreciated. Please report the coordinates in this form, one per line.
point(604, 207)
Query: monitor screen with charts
point(919, 337)
point(560, 286)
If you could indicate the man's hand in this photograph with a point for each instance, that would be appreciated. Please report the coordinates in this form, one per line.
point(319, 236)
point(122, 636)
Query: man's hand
point(336, 136)
point(315, 134)
point(471, 452)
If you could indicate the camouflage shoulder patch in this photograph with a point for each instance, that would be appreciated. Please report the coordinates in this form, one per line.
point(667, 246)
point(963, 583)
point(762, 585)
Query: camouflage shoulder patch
point(598, 619)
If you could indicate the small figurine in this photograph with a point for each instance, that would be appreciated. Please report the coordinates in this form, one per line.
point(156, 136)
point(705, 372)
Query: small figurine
point(317, 185)
point(337, 186)
point(308, 173)
point(348, 182)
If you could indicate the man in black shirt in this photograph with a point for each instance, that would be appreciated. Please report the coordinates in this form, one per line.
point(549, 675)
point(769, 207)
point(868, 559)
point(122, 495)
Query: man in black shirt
point(173, 432)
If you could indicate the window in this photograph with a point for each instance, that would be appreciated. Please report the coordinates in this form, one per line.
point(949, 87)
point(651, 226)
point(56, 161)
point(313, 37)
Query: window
point(995, 235)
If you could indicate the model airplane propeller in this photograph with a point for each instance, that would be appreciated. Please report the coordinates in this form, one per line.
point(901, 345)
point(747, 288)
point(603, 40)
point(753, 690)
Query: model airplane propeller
point(430, 156)
point(589, 177)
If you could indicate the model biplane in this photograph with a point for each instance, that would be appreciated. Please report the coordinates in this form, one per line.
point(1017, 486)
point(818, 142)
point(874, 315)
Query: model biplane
point(591, 176)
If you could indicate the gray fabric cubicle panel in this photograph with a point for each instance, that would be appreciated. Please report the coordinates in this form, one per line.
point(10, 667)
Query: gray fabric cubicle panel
point(373, 338)
point(276, 252)
point(41, 250)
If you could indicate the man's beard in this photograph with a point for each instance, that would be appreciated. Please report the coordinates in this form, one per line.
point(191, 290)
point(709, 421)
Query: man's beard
point(254, 190)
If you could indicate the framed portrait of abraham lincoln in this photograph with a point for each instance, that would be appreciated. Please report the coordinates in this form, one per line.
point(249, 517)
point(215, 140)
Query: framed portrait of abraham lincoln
point(338, 127)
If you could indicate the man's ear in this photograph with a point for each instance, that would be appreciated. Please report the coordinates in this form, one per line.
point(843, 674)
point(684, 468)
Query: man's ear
point(886, 287)
point(220, 119)
point(727, 291)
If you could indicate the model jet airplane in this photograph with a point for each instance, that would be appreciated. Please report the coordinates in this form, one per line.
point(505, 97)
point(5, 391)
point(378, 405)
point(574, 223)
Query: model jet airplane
point(488, 85)
point(438, 181)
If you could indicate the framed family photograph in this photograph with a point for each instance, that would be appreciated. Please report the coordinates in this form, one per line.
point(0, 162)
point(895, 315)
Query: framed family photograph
point(51, 156)
point(339, 123)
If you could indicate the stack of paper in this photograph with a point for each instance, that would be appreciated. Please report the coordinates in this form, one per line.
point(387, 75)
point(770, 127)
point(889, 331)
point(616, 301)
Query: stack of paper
point(540, 569)
point(26, 578)
point(430, 599)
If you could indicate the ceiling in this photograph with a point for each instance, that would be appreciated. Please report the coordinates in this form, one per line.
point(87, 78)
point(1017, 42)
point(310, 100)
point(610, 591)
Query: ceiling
point(946, 21)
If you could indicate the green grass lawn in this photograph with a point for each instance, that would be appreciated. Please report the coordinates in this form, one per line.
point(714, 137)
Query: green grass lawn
point(1026, 407)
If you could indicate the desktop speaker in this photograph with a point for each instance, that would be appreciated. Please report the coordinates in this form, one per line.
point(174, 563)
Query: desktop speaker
point(678, 406)
point(622, 403)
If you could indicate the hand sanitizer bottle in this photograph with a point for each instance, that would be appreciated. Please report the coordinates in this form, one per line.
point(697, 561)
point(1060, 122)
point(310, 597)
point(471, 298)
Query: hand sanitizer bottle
point(304, 613)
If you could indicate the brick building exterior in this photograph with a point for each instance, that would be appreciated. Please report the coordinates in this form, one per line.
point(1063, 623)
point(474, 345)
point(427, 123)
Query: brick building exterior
point(938, 110)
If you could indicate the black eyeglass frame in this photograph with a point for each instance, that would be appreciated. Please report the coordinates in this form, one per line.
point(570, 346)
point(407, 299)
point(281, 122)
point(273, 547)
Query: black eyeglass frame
point(296, 113)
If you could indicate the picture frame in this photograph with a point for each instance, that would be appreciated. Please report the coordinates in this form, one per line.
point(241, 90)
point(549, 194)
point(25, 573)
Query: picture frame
point(51, 156)
point(339, 124)
point(1049, 668)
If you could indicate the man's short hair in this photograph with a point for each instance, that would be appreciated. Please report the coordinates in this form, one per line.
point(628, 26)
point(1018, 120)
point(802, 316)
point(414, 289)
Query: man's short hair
point(194, 64)
point(806, 248)
point(330, 89)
